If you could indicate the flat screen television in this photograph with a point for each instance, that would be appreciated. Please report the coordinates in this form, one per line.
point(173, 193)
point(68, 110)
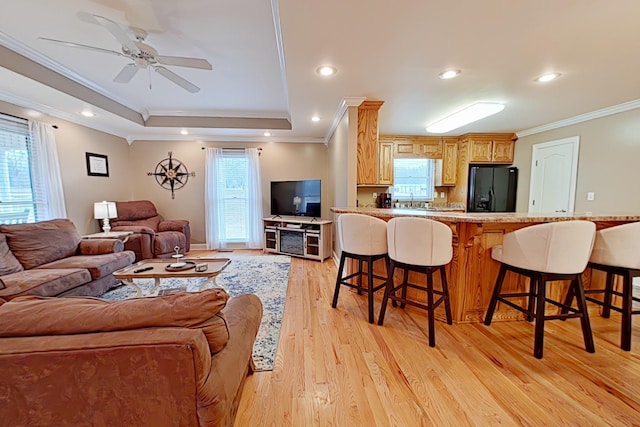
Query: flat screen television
point(296, 198)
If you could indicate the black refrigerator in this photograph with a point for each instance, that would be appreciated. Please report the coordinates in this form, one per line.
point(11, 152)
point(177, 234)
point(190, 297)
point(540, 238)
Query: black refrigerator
point(492, 189)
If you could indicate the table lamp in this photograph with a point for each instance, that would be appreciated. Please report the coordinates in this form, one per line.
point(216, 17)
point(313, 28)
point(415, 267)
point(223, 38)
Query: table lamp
point(105, 210)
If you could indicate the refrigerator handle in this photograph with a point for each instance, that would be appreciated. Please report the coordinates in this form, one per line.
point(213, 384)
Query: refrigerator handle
point(492, 200)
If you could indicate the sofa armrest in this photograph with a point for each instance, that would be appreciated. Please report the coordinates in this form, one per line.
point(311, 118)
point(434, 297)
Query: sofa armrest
point(100, 246)
point(135, 229)
point(108, 378)
point(173, 225)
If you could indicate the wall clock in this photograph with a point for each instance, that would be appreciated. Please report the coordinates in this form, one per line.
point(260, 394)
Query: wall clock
point(171, 174)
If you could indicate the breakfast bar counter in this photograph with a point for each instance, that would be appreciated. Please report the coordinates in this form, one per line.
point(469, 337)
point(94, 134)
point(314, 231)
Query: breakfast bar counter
point(472, 272)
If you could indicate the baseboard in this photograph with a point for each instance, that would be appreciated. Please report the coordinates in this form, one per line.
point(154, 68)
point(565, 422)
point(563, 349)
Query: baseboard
point(198, 246)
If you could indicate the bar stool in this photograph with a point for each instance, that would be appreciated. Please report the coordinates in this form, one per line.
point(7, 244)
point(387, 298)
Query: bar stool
point(362, 238)
point(616, 251)
point(424, 246)
point(545, 253)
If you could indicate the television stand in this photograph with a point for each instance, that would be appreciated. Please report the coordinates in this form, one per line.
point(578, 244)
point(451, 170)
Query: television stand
point(298, 236)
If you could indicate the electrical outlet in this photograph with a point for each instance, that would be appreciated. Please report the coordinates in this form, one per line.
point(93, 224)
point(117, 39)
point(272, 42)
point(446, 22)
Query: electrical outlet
point(442, 194)
point(375, 195)
point(591, 195)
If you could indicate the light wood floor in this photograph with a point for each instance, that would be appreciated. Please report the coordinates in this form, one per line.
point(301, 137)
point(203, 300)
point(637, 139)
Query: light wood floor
point(335, 369)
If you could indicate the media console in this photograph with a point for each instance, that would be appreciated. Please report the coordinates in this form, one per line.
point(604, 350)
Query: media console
point(298, 236)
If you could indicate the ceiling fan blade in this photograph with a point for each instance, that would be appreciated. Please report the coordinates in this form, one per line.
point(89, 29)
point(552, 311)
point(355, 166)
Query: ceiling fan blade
point(179, 61)
point(82, 46)
point(126, 74)
point(187, 85)
point(113, 27)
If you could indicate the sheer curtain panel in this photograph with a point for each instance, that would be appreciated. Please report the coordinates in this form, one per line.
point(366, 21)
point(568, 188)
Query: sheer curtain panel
point(47, 171)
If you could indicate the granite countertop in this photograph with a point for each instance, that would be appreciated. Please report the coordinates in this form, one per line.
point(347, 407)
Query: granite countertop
point(460, 216)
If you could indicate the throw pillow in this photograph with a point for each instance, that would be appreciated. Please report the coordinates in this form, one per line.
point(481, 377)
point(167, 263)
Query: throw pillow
point(32, 316)
point(8, 262)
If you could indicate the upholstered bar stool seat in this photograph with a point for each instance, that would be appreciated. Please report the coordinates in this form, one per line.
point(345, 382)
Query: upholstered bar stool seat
point(616, 251)
point(556, 251)
point(362, 238)
point(424, 246)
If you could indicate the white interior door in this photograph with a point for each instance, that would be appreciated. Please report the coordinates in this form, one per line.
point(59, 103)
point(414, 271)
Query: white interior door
point(554, 168)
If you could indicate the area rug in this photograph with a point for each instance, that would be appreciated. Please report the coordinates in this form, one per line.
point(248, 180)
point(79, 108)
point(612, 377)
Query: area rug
point(266, 276)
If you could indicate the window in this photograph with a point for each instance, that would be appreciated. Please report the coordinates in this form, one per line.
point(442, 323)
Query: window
point(413, 179)
point(18, 194)
point(232, 190)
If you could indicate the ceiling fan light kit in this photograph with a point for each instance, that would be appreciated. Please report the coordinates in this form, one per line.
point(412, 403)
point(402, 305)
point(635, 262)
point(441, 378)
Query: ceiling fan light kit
point(142, 55)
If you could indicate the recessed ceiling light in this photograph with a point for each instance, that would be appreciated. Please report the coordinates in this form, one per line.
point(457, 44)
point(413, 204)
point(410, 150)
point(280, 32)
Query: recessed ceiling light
point(184, 132)
point(449, 74)
point(315, 119)
point(33, 113)
point(326, 70)
point(267, 133)
point(467, 115)
point(547, 77)
point(87, 113)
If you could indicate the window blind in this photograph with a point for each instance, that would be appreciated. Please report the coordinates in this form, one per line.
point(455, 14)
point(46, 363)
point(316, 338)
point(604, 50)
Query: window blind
point(17, 190)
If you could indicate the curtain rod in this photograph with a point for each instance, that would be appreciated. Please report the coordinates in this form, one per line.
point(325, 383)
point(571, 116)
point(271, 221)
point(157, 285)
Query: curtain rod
point(233, 149)
point(22, 118)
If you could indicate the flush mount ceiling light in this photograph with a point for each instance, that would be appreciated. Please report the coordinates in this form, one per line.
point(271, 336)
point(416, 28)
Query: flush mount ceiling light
point(547, 77)
point(449, 74)
point(267, 133)
point(184, 132)
point(326, 70)
point(315, 119)
point(87, 113)
point(467, 115)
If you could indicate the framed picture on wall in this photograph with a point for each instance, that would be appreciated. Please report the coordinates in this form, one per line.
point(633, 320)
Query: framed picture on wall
point(97, 164)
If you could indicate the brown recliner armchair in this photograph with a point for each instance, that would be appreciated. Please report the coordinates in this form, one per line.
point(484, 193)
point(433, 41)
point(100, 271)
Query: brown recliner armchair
point(153, 237)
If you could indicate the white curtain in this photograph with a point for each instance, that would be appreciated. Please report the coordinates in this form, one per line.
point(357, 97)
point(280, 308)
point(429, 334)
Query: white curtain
point(255, 232)
point(233, 198)
point(49, 195)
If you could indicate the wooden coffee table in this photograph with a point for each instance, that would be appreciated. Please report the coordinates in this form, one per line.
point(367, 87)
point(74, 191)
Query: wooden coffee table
point(156, 269)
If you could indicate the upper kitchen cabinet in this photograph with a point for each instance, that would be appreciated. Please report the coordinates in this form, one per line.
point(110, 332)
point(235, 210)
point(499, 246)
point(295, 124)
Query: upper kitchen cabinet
point(449, 161)
point(416, 146)
point(367, 155)
point(490, 148)
point(385, 167)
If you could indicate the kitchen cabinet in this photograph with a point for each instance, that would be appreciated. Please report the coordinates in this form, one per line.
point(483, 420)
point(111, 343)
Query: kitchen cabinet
point(367, 156)
point(449, 161)
point(416, 146)
point(385, 166)
point(488, 149)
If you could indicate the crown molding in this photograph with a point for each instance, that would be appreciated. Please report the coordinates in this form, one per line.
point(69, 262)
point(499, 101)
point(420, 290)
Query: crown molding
point(220, 113)
point(222, 138)
point(275, 10)
point(35, 56)
point(604, 112)
point(351, 101)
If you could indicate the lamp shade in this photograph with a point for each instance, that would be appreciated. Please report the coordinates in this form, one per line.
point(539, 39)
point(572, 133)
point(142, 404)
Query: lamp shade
point(102, 210)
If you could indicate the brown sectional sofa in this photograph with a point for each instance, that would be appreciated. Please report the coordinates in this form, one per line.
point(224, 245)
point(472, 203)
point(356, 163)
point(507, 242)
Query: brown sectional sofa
point(177, 360)
point(49, 258)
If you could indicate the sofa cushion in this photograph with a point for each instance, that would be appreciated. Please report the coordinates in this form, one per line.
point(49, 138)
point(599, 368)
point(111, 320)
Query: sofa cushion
point(29, 316)
point(38, 243)
point(98, 265)
point(8, 263)
point(43, 282)
point(135, 210)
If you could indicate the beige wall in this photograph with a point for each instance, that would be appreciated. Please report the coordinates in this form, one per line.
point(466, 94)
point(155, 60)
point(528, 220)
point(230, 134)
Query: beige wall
point(278, 162)
point(81, 190)
point(607, 163)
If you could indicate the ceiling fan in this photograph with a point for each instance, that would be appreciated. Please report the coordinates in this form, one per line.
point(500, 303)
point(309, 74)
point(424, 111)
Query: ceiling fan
point(142, 55)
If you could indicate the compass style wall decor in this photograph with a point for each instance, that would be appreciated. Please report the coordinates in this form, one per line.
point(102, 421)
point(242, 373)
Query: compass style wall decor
point(171, 174)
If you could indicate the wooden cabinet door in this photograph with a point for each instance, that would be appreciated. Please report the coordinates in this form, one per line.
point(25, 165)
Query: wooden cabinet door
point(386, 163)
point(449, 162)
point(502, 151)
point(403, 147)
point(480, 151)
point(428, 147)
point(367, 148)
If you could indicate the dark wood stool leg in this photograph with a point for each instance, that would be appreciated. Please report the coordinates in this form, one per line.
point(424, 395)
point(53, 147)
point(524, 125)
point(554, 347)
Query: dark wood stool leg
point(539, 315)
point(370, 280)
point(388, 290)
point(584, 319)
point(405, 280)
point(533, 286)
point(360, 277)
point(606, 309)
point(627, 311)
point(496, 293)
point(445, 291)
point(334, 304)
point(431, 314)
point(568, 300)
